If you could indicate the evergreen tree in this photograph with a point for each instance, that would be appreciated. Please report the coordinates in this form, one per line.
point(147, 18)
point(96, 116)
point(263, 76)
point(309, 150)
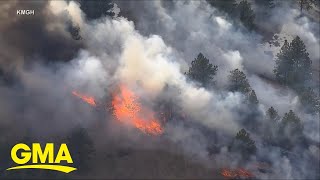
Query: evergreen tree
point(291, 130)
point(283, 64)
point(310, 101)
point(244, 143)
point(239, 82)
point(293, 65)
point(202, 71)
point(252, 97)
point(271, 126)
point(246, 14)
point(95, 9)
point(301, 61)
point(291, 119)
point(272, 114)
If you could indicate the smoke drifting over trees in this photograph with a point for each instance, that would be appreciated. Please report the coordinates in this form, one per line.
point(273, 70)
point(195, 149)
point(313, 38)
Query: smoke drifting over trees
point(250, 97)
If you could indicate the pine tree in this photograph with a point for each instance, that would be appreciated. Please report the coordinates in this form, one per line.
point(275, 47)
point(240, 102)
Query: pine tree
point(310, 101)
point(238, 82)
point(246, 14)
point(290, 130)
point(252, 97)
point(271, 126)
point(244, 143)
point(272, 114)
point(291, 118)
point(283, 64)
point(293, 65)
point(301, 61)
point(202, 71)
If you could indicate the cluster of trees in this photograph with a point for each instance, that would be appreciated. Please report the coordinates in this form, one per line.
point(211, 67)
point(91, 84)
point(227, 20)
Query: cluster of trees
point(293, 65)
point(245, 13)
point(243, 144)
point(203, 72)
point(294, 69)
point(285, 132)
point(241, 11)
point(238, 82)
point(307, 4)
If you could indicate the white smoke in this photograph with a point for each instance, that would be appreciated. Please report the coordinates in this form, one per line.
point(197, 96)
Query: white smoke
point(153, 53)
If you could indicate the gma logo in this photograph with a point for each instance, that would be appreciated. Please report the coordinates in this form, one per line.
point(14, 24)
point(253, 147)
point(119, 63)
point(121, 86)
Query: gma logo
point(41, 159)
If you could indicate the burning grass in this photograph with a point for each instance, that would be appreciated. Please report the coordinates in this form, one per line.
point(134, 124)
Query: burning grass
point(238, 173)
point(128, 110)
point(88, 99)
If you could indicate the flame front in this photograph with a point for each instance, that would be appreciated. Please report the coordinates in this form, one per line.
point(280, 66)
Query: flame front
point(236, 173)
point(88, 99)
point(127, 109)
point(227, 173)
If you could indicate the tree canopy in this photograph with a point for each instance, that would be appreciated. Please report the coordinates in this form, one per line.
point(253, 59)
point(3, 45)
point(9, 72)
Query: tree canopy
point(310, 101)
point(290, 130)
point(244, 143)
point(293, 65)
point(202, 71)
point(271, 125)
point(291, 124)
point(307, 4)
point(246, 14)
point(239, 82)
point(252, 97)
point(272, 114)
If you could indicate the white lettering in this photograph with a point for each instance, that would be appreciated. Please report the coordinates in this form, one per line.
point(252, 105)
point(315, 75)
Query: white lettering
point(25, 12)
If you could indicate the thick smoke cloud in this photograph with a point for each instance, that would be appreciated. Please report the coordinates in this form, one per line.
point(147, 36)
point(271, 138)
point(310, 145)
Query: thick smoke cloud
point(25, 38)
point(209, 31)
point(148, 49)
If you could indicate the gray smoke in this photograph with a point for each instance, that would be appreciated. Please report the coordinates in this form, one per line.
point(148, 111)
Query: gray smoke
point(148, 46)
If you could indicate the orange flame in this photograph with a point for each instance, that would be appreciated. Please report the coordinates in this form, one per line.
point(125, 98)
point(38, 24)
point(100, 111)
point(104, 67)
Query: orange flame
point(244, 173)
point(236, 173)
point(127, 109)
point(228, 173)
point(88, 99)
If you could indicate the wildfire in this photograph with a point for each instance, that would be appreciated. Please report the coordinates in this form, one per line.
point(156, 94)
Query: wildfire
point(227, 173)
point(236, 173)
point(127, 109)
point(88, 99)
